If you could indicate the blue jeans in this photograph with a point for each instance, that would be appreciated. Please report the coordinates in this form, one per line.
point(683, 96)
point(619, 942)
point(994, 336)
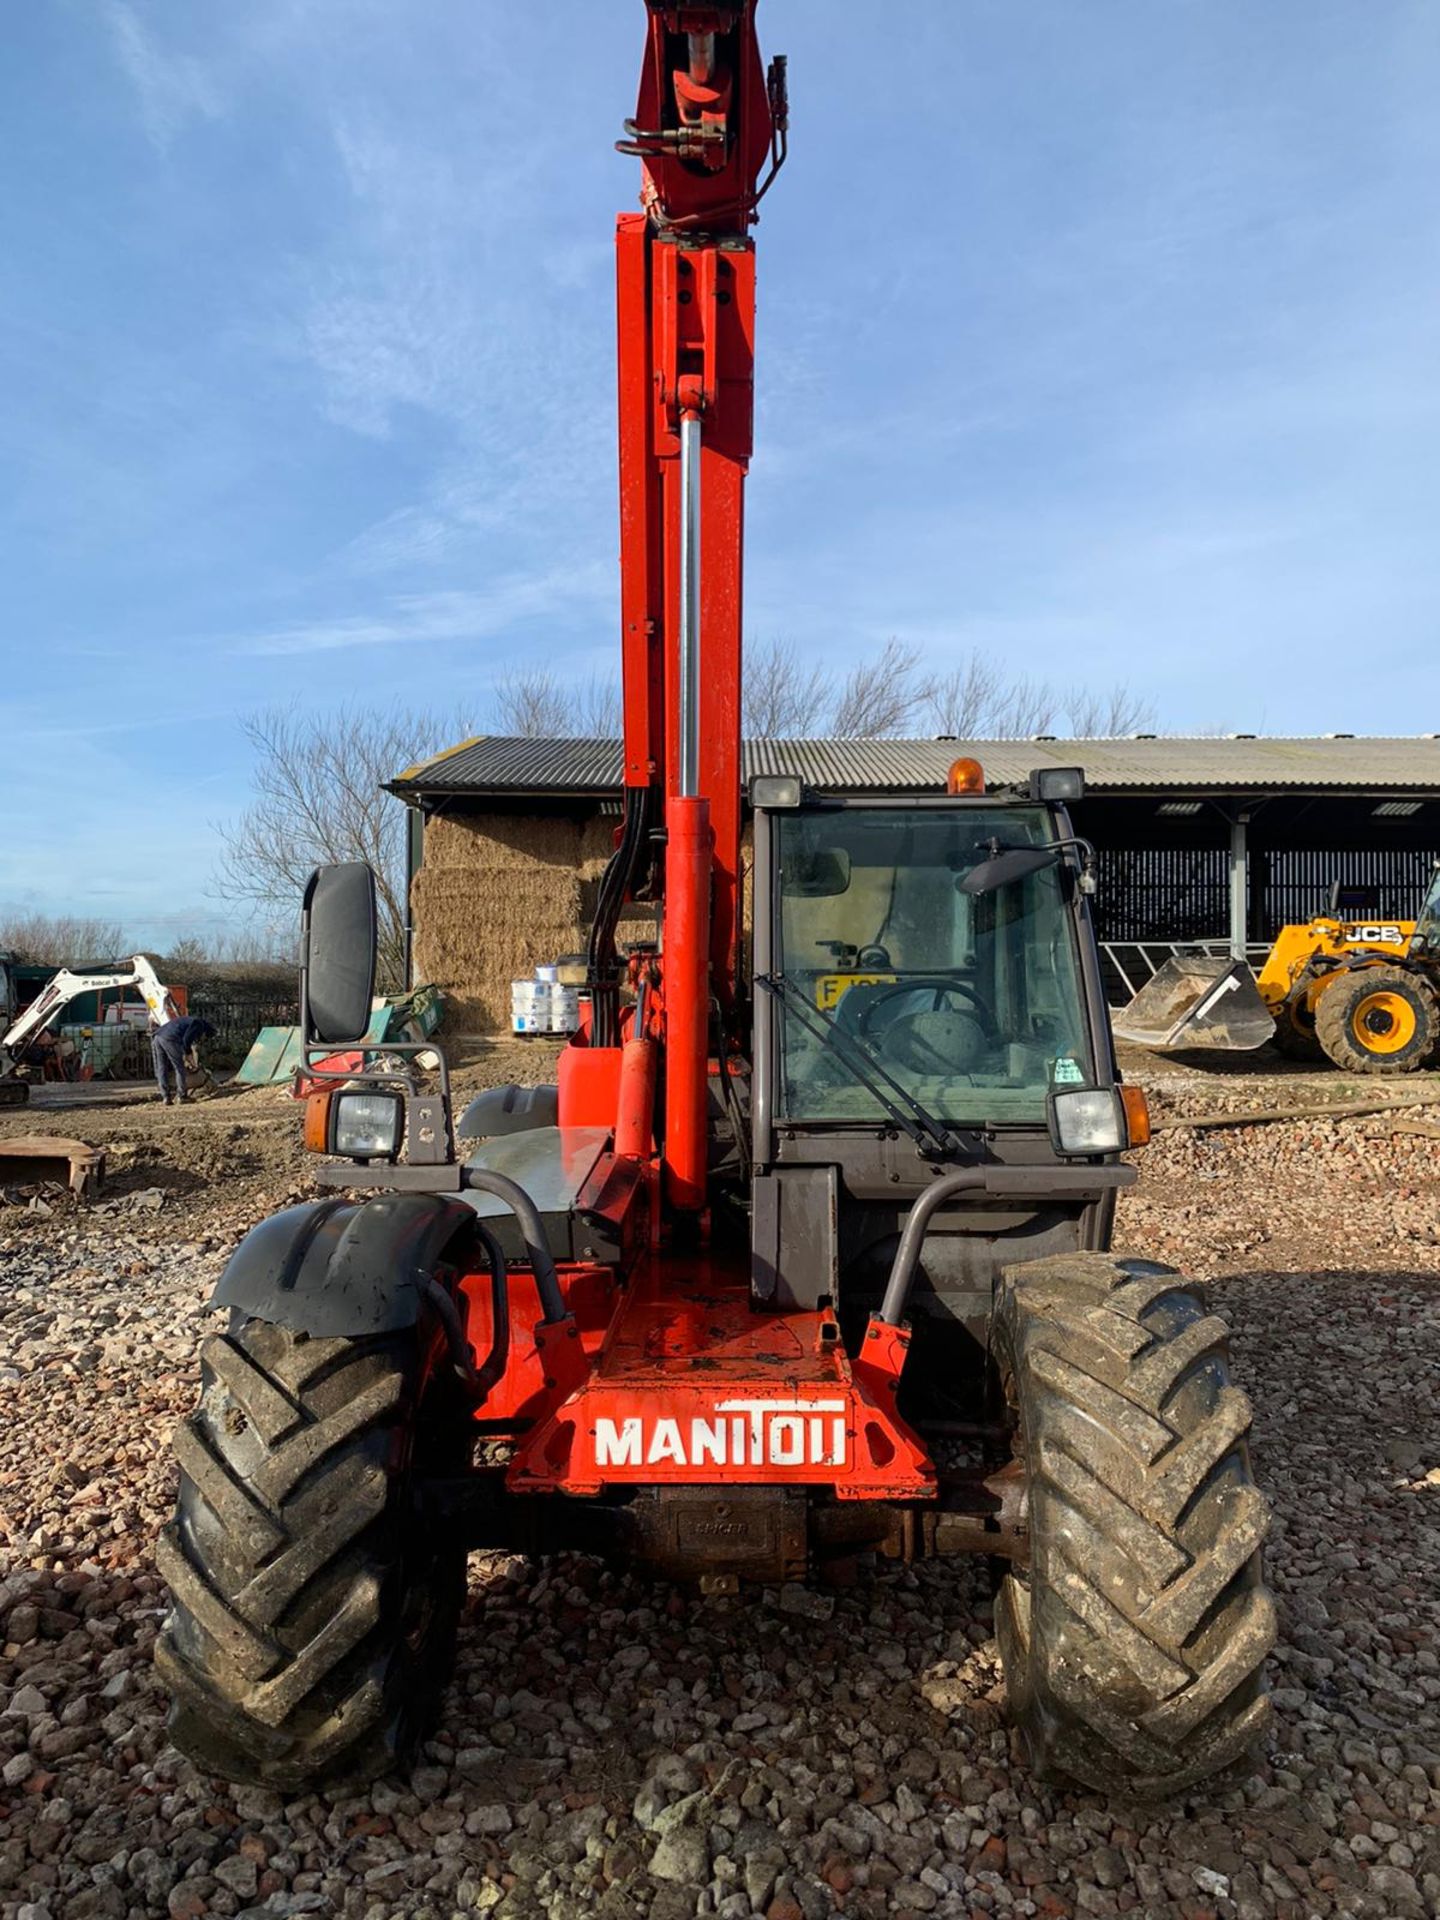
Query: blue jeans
point(169, 1061)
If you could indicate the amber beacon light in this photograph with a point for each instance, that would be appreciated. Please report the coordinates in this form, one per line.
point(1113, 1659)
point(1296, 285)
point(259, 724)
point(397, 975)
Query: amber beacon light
point(965, 776)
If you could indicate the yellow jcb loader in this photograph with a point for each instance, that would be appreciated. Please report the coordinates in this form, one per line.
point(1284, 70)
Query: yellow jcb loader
point(1362, 993)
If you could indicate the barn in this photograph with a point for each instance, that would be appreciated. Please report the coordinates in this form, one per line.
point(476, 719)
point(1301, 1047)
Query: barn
point(1215, 842)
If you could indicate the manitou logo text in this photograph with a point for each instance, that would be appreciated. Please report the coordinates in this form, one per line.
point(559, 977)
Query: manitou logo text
point(737, 1433)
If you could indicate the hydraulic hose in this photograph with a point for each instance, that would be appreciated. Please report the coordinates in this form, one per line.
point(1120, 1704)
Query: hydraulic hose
point(616, 886)
point(498, 1358)
point(478, 1381)
point(1037, 1184)
point(537, 1251)
point(448, 1315)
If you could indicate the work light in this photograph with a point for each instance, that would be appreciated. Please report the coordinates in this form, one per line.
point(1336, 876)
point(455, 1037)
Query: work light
point(1085, 1120)
point(775, 790)
point(367, 1126)
point(1057, 783)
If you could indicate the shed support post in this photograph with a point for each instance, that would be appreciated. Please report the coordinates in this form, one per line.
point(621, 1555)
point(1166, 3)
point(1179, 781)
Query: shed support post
point(1239, 884)
point(414, 856)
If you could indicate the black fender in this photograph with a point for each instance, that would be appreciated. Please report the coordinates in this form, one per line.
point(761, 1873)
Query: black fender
point(509, 1109)
point(342, 1268)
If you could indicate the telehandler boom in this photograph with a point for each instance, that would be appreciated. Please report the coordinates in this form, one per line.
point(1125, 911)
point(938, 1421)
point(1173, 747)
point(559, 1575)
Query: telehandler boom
point(826, 1178)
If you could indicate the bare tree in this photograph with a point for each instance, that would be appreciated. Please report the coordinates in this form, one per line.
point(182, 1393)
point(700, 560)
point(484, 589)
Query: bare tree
point(597, 711)
point(318, 798)
point(185, 956)
point(783, 698)
point(881, 696)
point(976, 701)
point(534, 702)
point(1107, 713)
point(262, 947)
point(243, 956)
point(62, 939)
point(1024, 708)
point(965, 700)
point(787, 696)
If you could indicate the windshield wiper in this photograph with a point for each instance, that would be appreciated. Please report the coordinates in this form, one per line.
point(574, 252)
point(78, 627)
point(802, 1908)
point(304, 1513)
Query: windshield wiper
point(859, 1059)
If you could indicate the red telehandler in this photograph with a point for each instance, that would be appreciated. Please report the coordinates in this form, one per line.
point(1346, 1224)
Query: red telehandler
point(803, 1260)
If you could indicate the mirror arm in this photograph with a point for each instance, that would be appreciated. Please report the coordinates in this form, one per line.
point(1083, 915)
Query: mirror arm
point(311, 1050)
point(1087, 862)
point(304, 981)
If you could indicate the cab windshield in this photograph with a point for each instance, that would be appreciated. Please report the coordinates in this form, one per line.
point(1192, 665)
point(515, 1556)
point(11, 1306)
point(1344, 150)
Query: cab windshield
point(970, 1001)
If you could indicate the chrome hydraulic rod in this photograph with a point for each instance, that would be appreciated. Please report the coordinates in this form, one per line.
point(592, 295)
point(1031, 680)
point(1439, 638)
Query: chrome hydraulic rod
point(689, 768)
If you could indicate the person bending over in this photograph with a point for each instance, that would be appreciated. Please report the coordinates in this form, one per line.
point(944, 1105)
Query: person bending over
point(169, 1045)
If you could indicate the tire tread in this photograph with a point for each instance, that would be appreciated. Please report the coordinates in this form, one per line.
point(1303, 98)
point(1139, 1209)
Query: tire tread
point(286, 1560)
point(1135, 1646)
point(1335, 1005)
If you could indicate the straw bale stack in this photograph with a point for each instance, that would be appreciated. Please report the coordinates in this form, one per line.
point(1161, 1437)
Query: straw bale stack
point(499, 894)
point(502, 893)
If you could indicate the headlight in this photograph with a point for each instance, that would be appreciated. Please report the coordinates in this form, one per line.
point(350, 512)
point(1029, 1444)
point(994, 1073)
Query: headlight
point(366, 1126)
point(1087, 1120)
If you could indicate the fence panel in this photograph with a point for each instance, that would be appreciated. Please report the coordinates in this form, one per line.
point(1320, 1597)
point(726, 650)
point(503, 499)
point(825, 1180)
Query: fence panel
point(1162, 893)
point(1297, 885)
point(238, 1016)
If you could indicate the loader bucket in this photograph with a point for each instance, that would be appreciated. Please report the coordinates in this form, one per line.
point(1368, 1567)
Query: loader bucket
point(1197, 1000)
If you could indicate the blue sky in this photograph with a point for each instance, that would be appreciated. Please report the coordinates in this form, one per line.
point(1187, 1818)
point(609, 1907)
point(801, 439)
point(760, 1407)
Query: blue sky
point(1101, 337)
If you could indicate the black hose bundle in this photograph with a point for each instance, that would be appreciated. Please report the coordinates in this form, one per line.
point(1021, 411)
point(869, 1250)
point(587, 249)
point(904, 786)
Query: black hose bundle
point(477, 1381)
point(616, 887)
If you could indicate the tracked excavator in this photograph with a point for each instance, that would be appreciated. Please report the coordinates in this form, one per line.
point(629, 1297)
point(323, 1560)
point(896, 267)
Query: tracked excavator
point(58, 992)
point(801, 1267)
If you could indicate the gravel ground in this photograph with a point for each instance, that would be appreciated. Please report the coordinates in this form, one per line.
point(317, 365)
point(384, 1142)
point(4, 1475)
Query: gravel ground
point(623, 1748)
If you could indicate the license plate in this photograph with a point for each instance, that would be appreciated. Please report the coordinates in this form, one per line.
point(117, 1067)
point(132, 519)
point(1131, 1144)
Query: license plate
point(832, 987)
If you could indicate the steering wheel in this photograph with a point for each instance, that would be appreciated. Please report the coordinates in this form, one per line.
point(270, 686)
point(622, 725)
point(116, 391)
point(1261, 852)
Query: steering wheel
point(941, 985)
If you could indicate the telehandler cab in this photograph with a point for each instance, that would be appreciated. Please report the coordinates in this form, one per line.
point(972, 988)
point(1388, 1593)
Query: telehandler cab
point(808, 1195)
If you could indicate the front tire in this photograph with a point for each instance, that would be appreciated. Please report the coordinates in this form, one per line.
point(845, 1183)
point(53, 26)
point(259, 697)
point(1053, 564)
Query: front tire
point(1379, 1020)
point(1134, 1643)
point(313, 1621)
point(1295, 1035)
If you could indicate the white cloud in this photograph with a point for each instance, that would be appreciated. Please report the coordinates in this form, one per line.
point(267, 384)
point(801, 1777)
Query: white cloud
point(435, 618)
point(173, 88)
point(399, 312)
point(451, 308)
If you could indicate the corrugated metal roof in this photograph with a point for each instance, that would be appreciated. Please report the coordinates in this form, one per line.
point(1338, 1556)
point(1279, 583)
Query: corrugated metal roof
point(499, 765)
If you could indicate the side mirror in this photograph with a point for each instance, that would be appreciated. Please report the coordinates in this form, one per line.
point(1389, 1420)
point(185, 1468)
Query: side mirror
point(337, 953)
point(814, 876)
point(1005, 867)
